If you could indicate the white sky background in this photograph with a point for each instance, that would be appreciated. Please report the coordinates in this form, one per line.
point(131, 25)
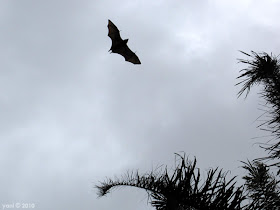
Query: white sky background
point(73, 114)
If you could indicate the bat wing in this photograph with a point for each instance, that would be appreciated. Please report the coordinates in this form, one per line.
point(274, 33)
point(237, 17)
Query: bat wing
point(114, 33)
point(128, 54)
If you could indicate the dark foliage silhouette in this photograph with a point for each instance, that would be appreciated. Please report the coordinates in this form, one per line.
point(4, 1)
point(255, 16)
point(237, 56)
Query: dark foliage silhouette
point(183, 189)
point(264, 69)
point(262, 187)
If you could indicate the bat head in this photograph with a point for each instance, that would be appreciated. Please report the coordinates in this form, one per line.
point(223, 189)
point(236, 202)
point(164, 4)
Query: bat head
point(125, 40)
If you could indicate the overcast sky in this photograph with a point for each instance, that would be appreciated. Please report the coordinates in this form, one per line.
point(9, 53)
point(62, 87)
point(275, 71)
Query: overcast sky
point(73, 114)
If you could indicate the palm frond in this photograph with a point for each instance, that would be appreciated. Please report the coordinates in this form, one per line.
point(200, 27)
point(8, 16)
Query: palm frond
point(265, 69)
point(262, 186)
point(183, 189)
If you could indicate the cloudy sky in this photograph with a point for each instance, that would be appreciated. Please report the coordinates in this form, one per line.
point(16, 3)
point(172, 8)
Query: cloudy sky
point(73, 114)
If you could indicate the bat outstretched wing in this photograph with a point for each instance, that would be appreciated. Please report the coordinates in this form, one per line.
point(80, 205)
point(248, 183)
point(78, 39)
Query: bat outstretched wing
point(129, 55)
point(114, 33)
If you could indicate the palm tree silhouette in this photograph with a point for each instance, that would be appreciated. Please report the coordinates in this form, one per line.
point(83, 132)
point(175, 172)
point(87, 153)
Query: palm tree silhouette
point(261, 186)
point(182, 190)
point(264, 69)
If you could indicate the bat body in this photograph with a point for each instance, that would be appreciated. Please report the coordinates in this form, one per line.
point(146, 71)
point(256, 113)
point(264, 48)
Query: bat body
point(119, 45)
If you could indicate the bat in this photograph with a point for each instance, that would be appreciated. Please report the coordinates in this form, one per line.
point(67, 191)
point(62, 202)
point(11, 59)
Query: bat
point(119, 45)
